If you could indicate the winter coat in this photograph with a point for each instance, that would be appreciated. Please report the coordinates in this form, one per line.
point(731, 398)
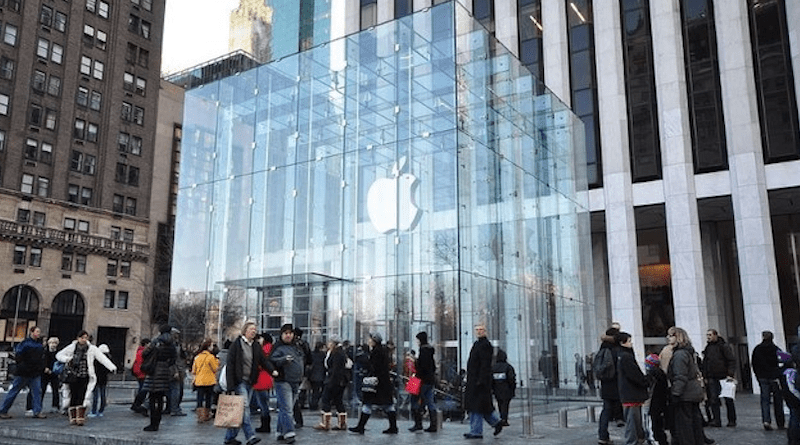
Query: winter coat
point(426, 364)
point(204, 368)
point(317, 373)
point(478, 393)
point(166, 355)
point(609, 388)
point(92, 354)
point(765, 361)
point(288, 370)
point(235, 363)
point(504, 378)
point(336, 368)
point(683, 375)
point(632, 383)
point(264, 381)
point(102, 373)
point(29, 356)
point(659, 390)
point(718, 360)
point(380, 364)
point(49, 358)
point(136, 368)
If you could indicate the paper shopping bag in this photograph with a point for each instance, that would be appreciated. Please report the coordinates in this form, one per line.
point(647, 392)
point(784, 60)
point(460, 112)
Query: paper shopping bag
point(230, 411)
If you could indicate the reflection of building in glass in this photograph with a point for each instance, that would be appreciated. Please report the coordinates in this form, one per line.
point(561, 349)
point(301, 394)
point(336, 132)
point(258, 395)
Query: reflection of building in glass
point(251, 29)
point(413, 176)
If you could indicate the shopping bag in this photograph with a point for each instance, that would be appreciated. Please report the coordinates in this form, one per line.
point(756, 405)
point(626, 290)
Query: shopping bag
point(230, 411)
point(413, 385)
point(728, 388)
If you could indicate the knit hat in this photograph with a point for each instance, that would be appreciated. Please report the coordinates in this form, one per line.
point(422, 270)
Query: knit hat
point(376, 337)
point(422, 337)
point(784, 357)
point(164, 328)
point(287, 327)
point(651, 361)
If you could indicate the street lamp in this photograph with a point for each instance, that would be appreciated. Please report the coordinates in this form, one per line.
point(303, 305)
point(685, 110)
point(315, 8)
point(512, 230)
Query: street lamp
point(16, 310)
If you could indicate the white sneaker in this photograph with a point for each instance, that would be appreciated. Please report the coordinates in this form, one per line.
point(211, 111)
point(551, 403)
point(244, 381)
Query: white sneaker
point(29, 413)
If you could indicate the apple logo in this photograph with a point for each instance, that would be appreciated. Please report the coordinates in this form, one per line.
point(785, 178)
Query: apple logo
point(390, 201)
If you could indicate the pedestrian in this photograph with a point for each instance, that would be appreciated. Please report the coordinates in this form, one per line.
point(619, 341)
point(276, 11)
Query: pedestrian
point(790, 387)
point(580, 375)
point(659, 397)
point(136, 369)
point(288, 363)
point(633, 389)
point(504, 384)
point(245, 355)
point(686, 389)
point(204, 369)
point(609, 388)
point(767, 371)
point(99, 394)
point(29, 356)
point(337, 377)
point(316, 376)
point(305, 385)
point(377, 388)
point(49, 377)
point(264, 384)
point(719, 363)
point(80, 356)
point(178, 375)
point(426, 372)
point(589, 359)
point(478, 392)
point(157, 383)
point(406, 403)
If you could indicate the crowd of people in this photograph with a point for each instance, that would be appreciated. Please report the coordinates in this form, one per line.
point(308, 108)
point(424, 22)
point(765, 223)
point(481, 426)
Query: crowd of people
point(667, 397)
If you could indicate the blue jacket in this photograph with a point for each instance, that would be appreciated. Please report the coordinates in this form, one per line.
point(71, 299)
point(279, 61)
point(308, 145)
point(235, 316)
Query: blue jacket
point(29, 356)
point(288, 370)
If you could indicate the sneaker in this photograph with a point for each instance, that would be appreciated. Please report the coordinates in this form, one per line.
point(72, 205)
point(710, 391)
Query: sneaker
point(472, 436)
point(253, 440)
point(39, 416)
point(767, 426)
point(178, 414)
point(29, 413)
point(6, 416)
point(92, 415)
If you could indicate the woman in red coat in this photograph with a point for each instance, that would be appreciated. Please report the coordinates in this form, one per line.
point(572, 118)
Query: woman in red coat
point(263, 386)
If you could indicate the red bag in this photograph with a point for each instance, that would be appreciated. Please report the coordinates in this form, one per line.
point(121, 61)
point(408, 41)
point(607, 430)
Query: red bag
point(414, 385)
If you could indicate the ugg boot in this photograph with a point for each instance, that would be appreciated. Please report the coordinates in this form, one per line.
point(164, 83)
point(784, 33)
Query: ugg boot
point(417, 421)
point(73, 412)
point(80, 416)
point(362, 421)
point(265, 425)
point(324, 423)
point(434, 422)
point(392, 415)
point(201, 414)
point(342, 421)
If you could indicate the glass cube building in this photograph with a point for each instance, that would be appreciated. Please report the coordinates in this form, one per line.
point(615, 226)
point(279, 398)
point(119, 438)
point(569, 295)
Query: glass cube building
point(411, 177)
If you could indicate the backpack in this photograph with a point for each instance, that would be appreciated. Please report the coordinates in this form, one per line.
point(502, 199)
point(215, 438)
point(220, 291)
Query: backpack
point(603, 365)
point(148, 365)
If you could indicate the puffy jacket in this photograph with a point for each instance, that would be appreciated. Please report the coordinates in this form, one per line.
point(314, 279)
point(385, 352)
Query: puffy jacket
point(718, 360)
point(204, 369)
point(609, 388)
point(504, 378)
point(166, 356)
point(631, 381)
point(426, 365)
point(65, 356)
point(379, 366)
point(29, 356)
point(683, 374)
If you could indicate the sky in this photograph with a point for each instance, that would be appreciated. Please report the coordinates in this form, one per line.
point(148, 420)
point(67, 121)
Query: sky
point(195, 31)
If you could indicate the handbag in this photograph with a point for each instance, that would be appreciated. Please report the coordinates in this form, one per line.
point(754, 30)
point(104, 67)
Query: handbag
point(148, 365)
point(230, 411)
point(68, 375)
point(369, 384)
point(413, 385)
point(58, 367)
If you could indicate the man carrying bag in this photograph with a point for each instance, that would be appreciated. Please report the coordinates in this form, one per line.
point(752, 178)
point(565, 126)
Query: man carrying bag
point(241, 371)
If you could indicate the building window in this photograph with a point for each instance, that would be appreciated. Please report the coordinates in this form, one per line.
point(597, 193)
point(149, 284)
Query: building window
point(117, 203)
point(43, 48)
point(97, 71)
point(60, 22)
point(50, 119)
point(20, 252)
point(95, 100)
point(141, 86)
point(86, 194)
point(39, 219)
point(23, 216)
point(6, 68)
point(69, 224)
point(27, 183)
point(82, 97)
point(38, 80)
point(91, 132)
point(4, 101)
point(127, 235)
point(79, 131)
point(31, 149)
point(46, 16)
point(56, 53)
point(122, 300)
point(2, 140)
point(83, 226)
point(35, 117)
point(86, 65)
point(10, 35)
point(80, 263)
point(108, 300)
point(637, 44)
point(116, 232)
point(529, 16)
point(111, 267)
point(66, 261)
point(35, 259)
point(130, 206)
point(43, 187)
point(125, 269)
point(127, 174)
point(54, 86)
point(369, 13)
point(127, 81)
point(46, 153)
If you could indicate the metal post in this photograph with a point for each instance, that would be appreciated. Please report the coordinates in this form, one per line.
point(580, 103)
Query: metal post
point(16, 310)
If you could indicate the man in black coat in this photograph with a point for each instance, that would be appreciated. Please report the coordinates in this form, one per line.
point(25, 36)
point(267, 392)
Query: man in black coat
point(609, 389)
point(478, 394)
point(426, 371)
point(767, 371)
point(718, 363)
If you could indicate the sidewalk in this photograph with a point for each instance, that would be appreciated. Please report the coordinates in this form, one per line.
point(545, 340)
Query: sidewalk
point(121, 426)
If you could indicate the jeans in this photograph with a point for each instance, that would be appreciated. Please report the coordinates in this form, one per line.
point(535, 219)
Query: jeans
point(476, 422)
point(33, 383)
point(770, 387)
point(793, 432)
point(367, 408)
point(245, 390)
point(99, 391)
point(425, 399)
point(713, 390)
point(175, 395)
point(205, 396)
point(634, 433)
point(286, 393)
point(262, 400)
point(605, 417)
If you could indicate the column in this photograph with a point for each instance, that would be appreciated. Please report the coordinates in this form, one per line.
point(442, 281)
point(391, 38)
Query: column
point(556, 49)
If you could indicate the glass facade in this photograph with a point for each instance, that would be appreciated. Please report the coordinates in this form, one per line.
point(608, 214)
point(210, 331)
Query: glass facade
point(401, 179)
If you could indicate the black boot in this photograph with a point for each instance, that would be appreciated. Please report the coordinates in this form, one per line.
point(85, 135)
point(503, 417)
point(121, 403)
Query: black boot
point(392, 415)
point(155, 420)
point(362, 420)
point(434, 422)
point(264, 428)
point(417, 421)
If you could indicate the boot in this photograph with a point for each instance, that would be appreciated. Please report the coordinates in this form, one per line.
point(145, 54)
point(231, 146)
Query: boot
point(392, 415)
point(324, 423)
point(80, 416)
point(155, 420)
point(434, 422)
point(73, 412)
point(362, 421)
point(201, 414)
point(342, 421)
point(265, 425)
point(417, 421)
